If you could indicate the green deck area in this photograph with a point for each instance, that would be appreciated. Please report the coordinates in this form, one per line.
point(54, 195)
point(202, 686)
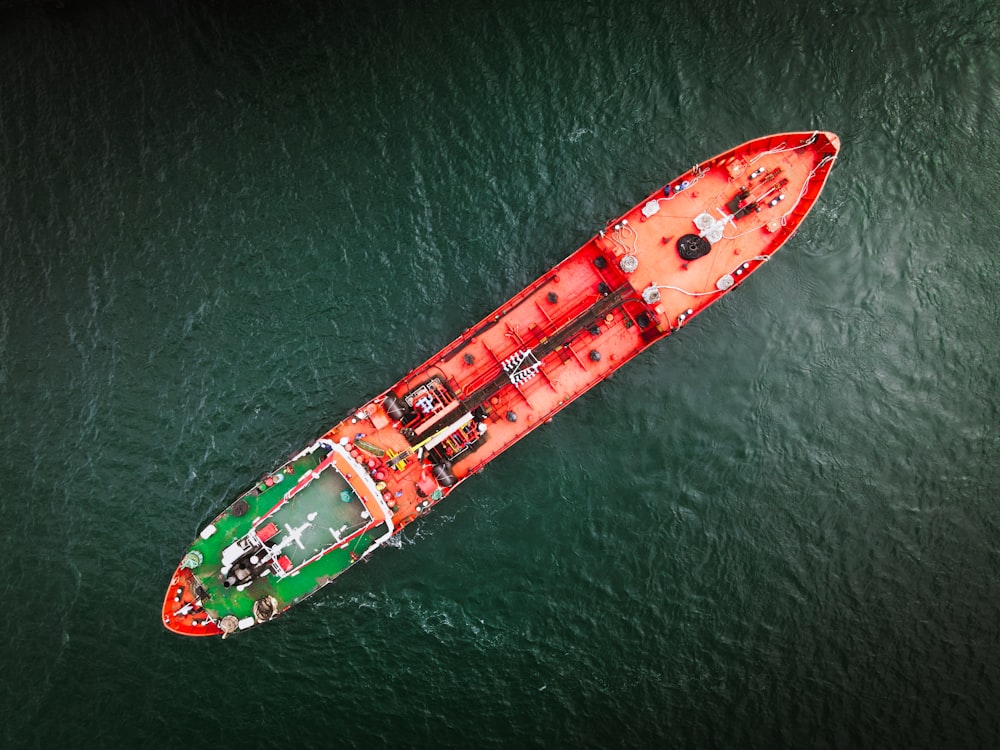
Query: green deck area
point(335, 519)
point(308, 523)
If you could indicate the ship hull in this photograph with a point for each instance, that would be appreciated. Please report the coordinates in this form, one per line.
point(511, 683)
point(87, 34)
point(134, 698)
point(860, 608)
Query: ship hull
point(647, 274)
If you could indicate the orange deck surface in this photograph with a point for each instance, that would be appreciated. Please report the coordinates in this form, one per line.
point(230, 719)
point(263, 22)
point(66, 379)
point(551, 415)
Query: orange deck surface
point(791, 165)
point(626, 288)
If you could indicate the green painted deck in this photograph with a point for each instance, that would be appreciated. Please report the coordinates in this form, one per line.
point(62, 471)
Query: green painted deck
point(335, 519)
point(299, 538)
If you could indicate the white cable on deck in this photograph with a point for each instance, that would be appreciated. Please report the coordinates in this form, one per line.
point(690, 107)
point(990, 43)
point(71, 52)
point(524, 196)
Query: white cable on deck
point(762, 258)
point(780, 148)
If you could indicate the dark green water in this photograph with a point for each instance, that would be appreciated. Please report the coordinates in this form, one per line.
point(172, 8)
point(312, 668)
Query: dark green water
point(221, 229)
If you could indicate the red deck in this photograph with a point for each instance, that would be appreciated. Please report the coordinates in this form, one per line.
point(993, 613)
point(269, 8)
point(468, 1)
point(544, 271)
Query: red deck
point(182, 610)
point(623, 290)
point(645, 275)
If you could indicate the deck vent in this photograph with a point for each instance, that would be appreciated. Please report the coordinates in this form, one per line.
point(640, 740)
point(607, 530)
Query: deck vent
point(651, 295)
point(628, 264)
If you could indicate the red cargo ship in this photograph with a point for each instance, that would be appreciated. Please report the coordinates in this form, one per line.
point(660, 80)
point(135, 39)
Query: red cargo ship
point(640, 279)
